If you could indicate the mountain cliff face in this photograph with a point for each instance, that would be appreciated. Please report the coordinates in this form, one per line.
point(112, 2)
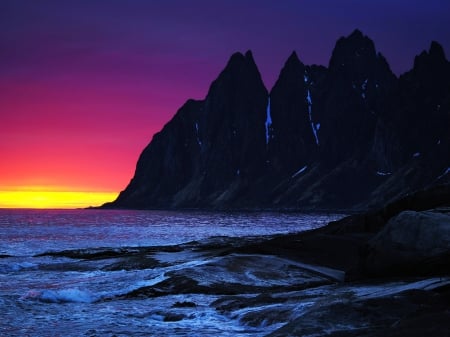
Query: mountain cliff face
point(352, 135)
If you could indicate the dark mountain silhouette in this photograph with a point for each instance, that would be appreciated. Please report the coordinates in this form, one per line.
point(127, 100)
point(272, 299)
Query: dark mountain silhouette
point(352, 135)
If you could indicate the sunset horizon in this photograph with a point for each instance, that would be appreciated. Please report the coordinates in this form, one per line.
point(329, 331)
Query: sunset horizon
point(224, 168)
point(84, 91)
point(53, 199)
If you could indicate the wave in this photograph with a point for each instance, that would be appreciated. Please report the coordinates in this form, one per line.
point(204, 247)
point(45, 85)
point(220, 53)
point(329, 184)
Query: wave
point(16, 266)
point(73, 295)
point(76, 295)
point(92, 253)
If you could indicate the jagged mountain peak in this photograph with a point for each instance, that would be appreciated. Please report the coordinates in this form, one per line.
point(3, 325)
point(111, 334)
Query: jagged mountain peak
point(354, 45)
point(356, 34)
point(235, 59)
point(240, 66)
point(249, 56)
point(292, 65)
point(326, 137)
point(352, 52)
point(239, 75)
point(239, 59)
point(436, 50)
point(293, 57)
point(434, 57)
point(356, 61)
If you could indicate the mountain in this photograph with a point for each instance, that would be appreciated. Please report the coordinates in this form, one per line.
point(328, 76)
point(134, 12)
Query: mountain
point(350, 135)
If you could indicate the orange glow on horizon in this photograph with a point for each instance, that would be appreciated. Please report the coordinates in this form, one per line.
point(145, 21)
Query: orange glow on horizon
point(43, 198)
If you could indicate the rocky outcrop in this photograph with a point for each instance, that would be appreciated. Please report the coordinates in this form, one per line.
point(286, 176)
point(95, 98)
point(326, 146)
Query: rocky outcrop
point(208, 153)
point(409, 313)
point(391, 244)
point(358, 84)
point(383, 273)
point(416, 243)
point(373, 221)
point(350, 136)
point(292, 119)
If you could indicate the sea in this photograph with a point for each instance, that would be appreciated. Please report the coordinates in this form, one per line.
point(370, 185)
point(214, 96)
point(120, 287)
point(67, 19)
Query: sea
point(65, 273)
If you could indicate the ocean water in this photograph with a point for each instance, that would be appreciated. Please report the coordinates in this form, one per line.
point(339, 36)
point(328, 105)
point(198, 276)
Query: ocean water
point(83, 272)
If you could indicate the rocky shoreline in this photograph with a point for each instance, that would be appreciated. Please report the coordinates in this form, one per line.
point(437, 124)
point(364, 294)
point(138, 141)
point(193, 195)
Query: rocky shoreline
point(382, 273)
point(407, 240)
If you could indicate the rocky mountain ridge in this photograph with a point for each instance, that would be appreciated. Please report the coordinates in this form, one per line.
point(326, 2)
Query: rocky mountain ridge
point(351, 136)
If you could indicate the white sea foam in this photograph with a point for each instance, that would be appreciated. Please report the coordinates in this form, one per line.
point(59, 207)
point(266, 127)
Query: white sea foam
point(16, 266)
point(394, 288)
point(140, 284)
point(74, 295)
point(77, 296)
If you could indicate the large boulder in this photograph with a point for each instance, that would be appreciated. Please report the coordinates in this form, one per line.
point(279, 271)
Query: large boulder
point(411, 243)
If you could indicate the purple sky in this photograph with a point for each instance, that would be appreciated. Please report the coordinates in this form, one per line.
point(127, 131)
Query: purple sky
point(84, 84)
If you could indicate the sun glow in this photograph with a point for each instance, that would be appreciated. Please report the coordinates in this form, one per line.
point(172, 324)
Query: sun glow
point(34, 198)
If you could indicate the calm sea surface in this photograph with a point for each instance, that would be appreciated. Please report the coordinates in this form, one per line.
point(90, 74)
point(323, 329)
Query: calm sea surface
point(55, 295)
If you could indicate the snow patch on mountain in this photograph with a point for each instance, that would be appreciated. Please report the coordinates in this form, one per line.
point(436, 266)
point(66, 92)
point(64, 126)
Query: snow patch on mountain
point(363, 88)
point(268, 121)
point(447, 171)
point(199, 142)
point(303, 169)
point(313, 126)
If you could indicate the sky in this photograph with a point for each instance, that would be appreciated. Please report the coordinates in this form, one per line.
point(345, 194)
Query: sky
point(84, 84)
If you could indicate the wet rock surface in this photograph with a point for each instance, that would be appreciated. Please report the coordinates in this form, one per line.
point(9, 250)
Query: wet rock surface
point(235, 275)
point(279, 286)
point(408, 313)
point(412, 242)
point(383, 273)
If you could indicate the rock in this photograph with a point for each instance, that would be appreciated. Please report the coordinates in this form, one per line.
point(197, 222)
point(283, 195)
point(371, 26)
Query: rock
point(236, 274)
point(133, 263)
point(173, 317)
point(184, 304)
point(412, 243)
point(397, 315)
point(207, 154)
point(291, 123)
point(325, 138)
point(371, 222)
point(352, 99)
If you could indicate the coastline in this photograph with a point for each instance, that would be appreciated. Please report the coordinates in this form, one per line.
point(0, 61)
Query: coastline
point(372, 274)
point(371, 288)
